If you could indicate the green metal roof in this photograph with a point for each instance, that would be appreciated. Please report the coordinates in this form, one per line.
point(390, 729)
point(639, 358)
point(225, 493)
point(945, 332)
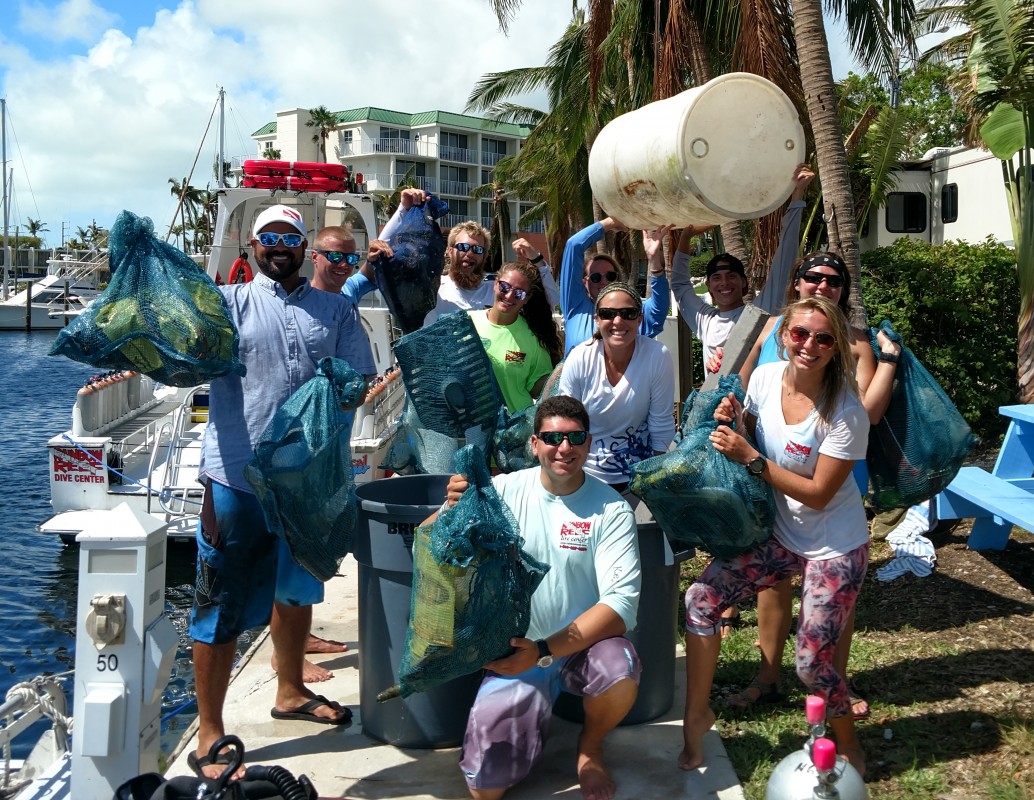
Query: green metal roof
point(443, 118)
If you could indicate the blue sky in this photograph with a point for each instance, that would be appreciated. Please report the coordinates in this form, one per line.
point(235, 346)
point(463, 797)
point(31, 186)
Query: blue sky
point(108, 99)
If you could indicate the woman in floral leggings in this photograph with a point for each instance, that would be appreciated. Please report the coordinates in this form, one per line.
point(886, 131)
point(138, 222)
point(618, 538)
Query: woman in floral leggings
point(805, 429)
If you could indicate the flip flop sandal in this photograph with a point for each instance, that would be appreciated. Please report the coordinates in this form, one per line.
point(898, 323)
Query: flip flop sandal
point(767, 694)
point(728, 624)
point(306, 713)
point(855, 699)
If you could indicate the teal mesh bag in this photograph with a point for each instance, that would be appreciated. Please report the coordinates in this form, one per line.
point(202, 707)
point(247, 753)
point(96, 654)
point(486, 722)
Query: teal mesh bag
point(472, 586)
point(511, 443)
point(696, 494)
point(160, 315)
point(918, 447)
point(302, 469)
point(452, 397)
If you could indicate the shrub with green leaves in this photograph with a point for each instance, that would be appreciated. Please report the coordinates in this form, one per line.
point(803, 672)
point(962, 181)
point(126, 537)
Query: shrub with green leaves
point(956, 306)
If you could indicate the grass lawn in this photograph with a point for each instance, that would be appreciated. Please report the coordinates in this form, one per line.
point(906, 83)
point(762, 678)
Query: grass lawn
point(946, 662)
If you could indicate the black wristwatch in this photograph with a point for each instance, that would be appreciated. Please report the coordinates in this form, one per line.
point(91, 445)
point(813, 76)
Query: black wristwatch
point(545, 657)
point(890, 358)
point(756, 466)
point(537, 260)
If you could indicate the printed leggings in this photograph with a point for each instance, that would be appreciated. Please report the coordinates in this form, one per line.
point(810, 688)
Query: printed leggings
point(828, 595)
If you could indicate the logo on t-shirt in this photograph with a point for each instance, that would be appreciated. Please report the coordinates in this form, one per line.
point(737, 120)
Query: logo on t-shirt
point(516, 356)
point(575, 535)
point(797, 452)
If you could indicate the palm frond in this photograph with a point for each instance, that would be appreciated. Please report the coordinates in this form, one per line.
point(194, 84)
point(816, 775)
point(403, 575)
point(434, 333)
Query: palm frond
point(884, 145)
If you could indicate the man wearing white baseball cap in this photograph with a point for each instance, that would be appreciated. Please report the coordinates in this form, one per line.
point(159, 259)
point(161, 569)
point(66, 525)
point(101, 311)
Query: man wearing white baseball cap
point(246, 577)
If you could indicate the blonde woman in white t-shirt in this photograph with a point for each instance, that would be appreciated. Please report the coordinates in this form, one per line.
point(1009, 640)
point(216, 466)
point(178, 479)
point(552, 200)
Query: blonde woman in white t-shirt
point(806, 428)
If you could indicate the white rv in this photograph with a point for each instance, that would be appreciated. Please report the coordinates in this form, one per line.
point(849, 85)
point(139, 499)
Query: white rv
point(951, 193)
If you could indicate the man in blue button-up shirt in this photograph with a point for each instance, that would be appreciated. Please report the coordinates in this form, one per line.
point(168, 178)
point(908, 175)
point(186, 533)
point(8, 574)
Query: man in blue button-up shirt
point(285, 327)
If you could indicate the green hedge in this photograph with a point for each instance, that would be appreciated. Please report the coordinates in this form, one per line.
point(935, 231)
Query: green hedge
point(956, 306)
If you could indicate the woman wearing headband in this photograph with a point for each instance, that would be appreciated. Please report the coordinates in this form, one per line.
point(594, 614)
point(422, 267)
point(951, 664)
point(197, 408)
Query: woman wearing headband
point(821, 274)
point(519, 335)
point(805, 428)
point(626, 381)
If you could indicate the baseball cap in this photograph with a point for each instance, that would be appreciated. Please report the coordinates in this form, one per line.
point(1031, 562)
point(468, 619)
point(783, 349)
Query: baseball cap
point(725, 261)
point(279, 213)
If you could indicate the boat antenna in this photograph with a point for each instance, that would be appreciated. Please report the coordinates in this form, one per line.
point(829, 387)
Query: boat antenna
point(220, 175)
point(3, 137)
point(186, 181)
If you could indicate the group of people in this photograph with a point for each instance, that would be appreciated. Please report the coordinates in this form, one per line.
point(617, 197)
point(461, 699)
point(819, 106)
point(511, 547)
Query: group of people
point(813, 388)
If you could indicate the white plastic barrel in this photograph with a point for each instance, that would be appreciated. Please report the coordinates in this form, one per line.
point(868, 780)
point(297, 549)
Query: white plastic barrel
point(718, 152)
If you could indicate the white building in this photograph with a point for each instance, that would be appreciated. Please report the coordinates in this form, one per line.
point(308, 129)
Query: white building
point(450, 154)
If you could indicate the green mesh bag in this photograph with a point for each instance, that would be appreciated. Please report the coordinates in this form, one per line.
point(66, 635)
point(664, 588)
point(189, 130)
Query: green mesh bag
point(918, 447)
point(160, 315)
point(302, 469)
point(696, 494)
point(472, 586)
point(511, 442)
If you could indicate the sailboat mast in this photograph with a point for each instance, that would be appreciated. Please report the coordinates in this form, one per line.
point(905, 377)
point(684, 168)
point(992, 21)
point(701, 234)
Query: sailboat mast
point(3, 144)
point(222, 137)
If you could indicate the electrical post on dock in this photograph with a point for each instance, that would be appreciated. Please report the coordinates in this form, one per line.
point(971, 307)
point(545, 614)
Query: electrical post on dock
point(125, 647)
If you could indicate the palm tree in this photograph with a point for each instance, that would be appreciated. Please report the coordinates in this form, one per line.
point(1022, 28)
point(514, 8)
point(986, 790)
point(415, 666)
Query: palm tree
point(324, 121)
point(35, 227)
point(999, 53)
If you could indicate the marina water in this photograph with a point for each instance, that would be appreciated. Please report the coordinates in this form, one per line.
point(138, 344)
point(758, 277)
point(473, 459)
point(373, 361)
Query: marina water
point(39, 574)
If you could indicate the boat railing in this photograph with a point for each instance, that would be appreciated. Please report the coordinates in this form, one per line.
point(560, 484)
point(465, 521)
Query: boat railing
point(27, 703)
point(180, 497)
point(82, 269)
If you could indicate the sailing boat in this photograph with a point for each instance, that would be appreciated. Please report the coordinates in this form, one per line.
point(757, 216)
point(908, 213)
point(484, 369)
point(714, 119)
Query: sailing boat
point(69, 285)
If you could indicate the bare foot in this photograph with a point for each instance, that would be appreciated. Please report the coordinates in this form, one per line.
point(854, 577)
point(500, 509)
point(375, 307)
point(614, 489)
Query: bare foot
point(311, 673)
point(319, 646)
point(693, 730)
point(855, 757)
point(593, 776)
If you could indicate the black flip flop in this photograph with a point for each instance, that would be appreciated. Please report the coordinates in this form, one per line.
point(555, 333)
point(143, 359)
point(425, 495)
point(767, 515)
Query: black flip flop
point(305, 712)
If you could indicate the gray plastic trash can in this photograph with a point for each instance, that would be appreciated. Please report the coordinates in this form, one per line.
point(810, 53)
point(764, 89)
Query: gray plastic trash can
point(655, 630)
point(390, 510)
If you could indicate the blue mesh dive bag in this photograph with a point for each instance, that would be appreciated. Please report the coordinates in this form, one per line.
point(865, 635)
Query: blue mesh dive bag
point(409, 280)
point(160, 315)
point(696, 494)
point(472, 586)
point(302, 469)
point(921, 442)
point(511, 443)
point(451, 394)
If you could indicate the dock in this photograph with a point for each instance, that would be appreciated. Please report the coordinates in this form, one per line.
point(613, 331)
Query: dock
point(342, 762)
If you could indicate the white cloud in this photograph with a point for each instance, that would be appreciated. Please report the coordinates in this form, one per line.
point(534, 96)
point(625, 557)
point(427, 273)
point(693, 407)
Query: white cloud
point(104, 129)
point(72, 20)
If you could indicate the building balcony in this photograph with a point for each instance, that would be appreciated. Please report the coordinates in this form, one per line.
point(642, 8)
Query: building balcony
point(460, 154)
point(491, 159)
point(452, 219)
point(461, 188)
point(427, 184)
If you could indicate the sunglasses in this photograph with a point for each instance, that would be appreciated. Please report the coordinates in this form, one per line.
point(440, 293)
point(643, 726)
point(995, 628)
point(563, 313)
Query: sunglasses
point(555, 438)
point(612, 313)
point(336, 257)
point(271, 239)
point(597, 277)
point(799, 334)
point(505, 288)
point(463, 247)
point(815, 278)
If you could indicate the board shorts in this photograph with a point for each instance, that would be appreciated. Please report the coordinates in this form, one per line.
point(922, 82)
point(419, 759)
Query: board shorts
point(509, 722)
point(242, 567)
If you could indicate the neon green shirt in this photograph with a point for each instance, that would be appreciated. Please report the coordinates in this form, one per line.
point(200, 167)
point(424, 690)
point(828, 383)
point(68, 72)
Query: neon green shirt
point(518, 360)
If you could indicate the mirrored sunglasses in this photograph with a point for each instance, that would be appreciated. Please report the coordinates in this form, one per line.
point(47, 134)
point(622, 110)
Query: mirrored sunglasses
point(463, 247)
point(554, 438)
point(597, 277)
point(799, 334)
point(336, 257)
point(612, 313)
point(815, 278)
point(505, 288)
point(270, 239)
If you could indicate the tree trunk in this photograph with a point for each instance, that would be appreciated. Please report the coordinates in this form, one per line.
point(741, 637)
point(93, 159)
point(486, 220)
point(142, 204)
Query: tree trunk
point(733, 241)
point(820, 97)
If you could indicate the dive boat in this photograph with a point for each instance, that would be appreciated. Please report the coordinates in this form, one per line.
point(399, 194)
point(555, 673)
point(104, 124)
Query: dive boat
point(53, 300)
point(133, 441)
